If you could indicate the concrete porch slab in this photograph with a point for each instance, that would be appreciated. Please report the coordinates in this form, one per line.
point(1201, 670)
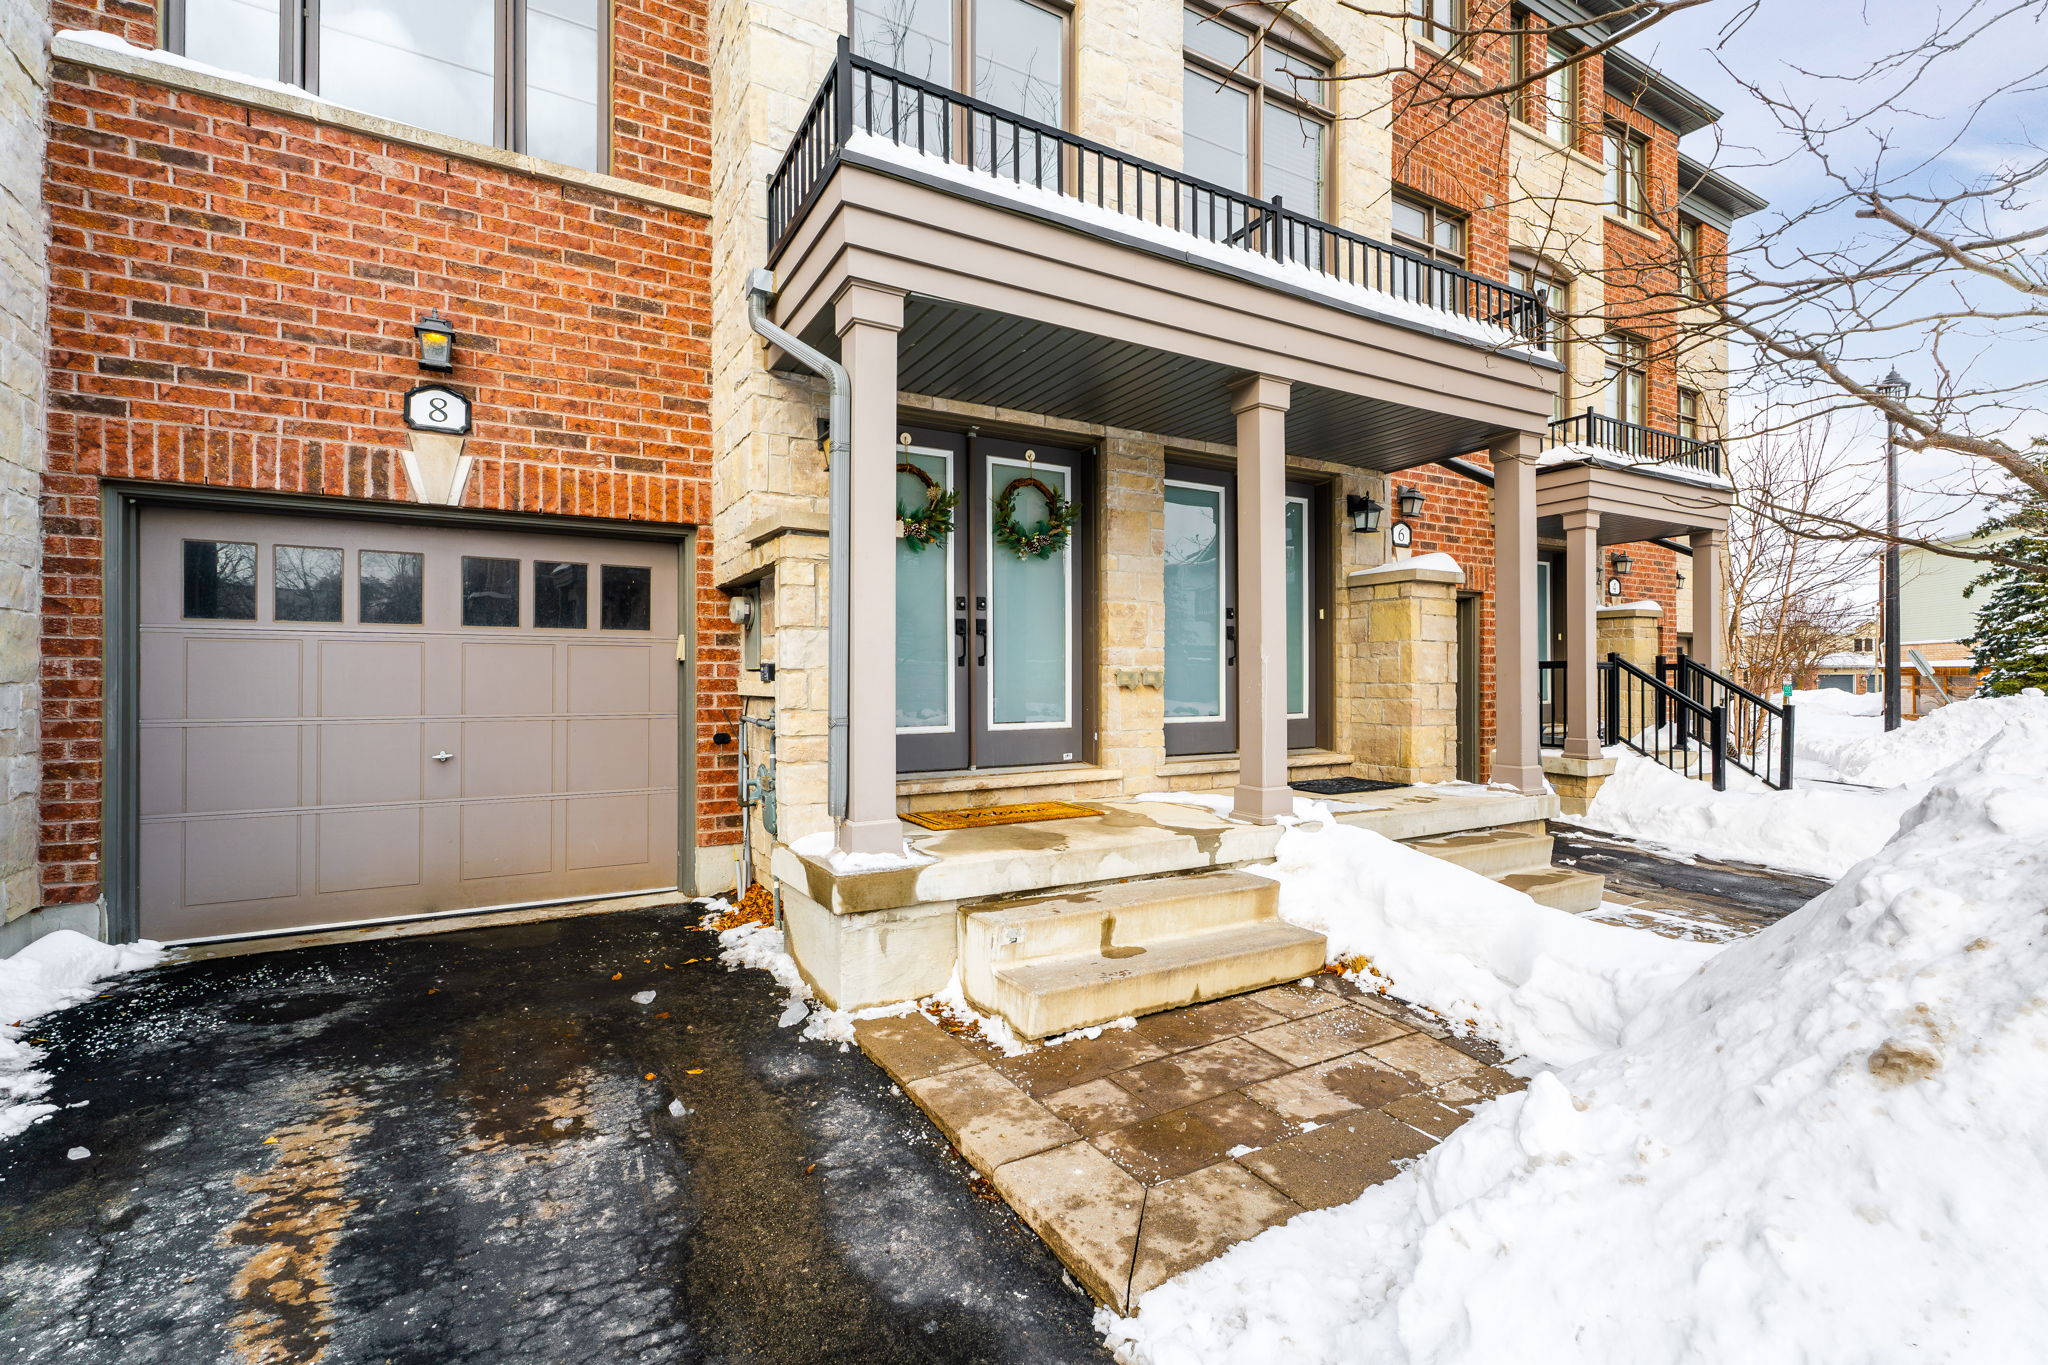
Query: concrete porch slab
point(1144, 1152)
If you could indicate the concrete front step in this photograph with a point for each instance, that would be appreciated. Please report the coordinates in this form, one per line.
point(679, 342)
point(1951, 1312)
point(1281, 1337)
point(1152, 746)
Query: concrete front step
point(1052, 995)
point(1492, 852)
point(1052, 964)
point(1560, 888)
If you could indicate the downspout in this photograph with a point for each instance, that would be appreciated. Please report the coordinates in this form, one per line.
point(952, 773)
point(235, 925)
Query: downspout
point(760, 290)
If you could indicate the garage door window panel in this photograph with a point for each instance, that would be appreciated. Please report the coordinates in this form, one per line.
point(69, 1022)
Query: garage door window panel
point(490, 591)
point(220, 580)
point(628, 592)
point(561, 595)
point(305, 583)
point(390, 588)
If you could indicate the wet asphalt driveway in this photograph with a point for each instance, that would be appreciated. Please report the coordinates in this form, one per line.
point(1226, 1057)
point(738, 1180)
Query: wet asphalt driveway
point(462, 1148)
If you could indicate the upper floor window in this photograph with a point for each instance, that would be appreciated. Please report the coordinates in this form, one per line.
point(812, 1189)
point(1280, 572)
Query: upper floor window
point(1691, 425)
point(527, 75)
point(1438, 21)
point(1537, 276)
point(1011, 53)
point(1429, 229)
point(1689, 259)
point(1628, 172)
point(1627, 392)
point(1256, 111)
point(1550, 102)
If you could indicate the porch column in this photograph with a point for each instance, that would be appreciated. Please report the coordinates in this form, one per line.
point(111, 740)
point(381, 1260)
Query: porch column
point(1581, 634)
point(1706, 598)
point(1517, 756)
point(868, 320)
point(1261, 407)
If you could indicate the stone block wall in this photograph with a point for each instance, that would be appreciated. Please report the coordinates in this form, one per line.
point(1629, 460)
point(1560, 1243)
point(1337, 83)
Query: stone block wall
point(24, 322)
point(1403, 693)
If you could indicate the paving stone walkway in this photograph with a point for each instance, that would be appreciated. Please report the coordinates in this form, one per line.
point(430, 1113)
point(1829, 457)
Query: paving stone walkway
point(1146, 1151)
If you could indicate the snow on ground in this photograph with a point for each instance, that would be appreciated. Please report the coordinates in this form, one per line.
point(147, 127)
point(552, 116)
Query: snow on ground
point(1823, 1147)
point(821, 847)
point(54, 971)
point(1816, 828)
point(1542, 983)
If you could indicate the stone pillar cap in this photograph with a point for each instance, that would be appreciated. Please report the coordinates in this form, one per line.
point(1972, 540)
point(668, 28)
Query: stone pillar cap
point(1633, 609)
point(1430, 568)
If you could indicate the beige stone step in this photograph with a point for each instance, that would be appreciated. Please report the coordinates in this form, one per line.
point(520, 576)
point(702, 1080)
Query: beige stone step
point(1107, 918)
point(1560, 888)
point(1049, 995)
point(1492, 852)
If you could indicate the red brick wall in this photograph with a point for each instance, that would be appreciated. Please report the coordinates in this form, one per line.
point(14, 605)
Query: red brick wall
point(233, 293)
point(1458, 520)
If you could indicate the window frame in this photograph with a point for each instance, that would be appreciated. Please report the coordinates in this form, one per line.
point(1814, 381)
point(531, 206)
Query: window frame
point(1691, 425)
point(1437, 211)
point(298, 63)
point(1535, 49)
point(1691, 285)
point(1626, 354)
point(1539, 276)
point(1432, 20)
point(1250, 77)
point(961, 78)
point(1625, 153)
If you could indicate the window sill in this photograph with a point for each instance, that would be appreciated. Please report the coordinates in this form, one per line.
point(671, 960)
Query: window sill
point(1549, 143)
point(1419, 48)
point(142, 65)
point(1636, 228)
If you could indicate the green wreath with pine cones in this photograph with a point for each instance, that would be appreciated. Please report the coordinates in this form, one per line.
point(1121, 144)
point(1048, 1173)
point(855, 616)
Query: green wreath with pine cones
point(1050, 536)
point(931, 523)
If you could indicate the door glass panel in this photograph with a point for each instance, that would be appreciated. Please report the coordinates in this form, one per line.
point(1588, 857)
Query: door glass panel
point(220, 580)
point(432, 66)
point(1195, 579)
point(306, 583)
point(234, 35)
point(561, 595)
point(924, 605)
point(561, 81)
point(1030, 616)
point(490, 591)
point(388, 591)
point(1299, 604)
point(627, 598)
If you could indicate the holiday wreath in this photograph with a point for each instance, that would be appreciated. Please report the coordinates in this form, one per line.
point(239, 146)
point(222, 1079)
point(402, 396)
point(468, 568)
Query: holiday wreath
point(933, 522)
point(1050, 536)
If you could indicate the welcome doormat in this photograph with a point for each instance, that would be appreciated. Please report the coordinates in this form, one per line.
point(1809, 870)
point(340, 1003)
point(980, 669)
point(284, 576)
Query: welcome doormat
point(1345, 786)
point(974, 817)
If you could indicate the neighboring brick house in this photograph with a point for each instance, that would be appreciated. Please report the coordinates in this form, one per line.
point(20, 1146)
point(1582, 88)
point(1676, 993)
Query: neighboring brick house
point(304, 662)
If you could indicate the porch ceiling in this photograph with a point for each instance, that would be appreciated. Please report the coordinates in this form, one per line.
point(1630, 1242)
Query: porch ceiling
point(974, 355)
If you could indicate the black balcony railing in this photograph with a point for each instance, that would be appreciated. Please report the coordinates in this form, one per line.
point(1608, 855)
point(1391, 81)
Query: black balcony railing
point(861, 96)
point(1645, 445)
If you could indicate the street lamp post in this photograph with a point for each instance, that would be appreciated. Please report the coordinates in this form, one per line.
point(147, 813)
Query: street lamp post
point(1891, 386)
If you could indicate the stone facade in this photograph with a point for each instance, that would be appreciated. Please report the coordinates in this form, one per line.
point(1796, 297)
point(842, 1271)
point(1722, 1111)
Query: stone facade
point(24, 324)
point(1393, 684)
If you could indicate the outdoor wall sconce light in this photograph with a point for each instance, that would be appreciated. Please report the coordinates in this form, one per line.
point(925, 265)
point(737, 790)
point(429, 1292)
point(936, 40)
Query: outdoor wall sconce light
point(1363, 511)
point(1410, 501)
point(437, 342)
point(1620, 564)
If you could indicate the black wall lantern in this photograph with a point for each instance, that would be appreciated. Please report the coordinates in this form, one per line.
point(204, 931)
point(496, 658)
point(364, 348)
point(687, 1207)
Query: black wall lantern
point(1363, 511)
point(437, 342)
point(1620, 563)
point(1410, 501)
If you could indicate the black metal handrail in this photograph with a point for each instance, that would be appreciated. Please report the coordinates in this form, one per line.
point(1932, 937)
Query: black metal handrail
point(1759, 732)
point(859, 95)
point(1662, 723)
point(1646, 444)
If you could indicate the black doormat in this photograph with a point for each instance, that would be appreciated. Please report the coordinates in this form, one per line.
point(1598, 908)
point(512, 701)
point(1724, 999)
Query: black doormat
point(1345, 786)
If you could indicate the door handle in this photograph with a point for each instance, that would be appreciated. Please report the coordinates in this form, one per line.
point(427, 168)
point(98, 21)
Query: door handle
point(1230, 639)
point(441, 757)
point(960, 633)
point(981, 635)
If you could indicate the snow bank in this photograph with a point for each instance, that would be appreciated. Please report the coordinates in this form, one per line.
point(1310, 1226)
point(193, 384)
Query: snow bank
point(1826, 1146)
point(1542, 983)
point(56, 970)
point(1919, 749)
point(1819, 831)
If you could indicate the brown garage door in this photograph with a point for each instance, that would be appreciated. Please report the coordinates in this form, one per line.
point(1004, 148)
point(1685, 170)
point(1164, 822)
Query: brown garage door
point(349, 720)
